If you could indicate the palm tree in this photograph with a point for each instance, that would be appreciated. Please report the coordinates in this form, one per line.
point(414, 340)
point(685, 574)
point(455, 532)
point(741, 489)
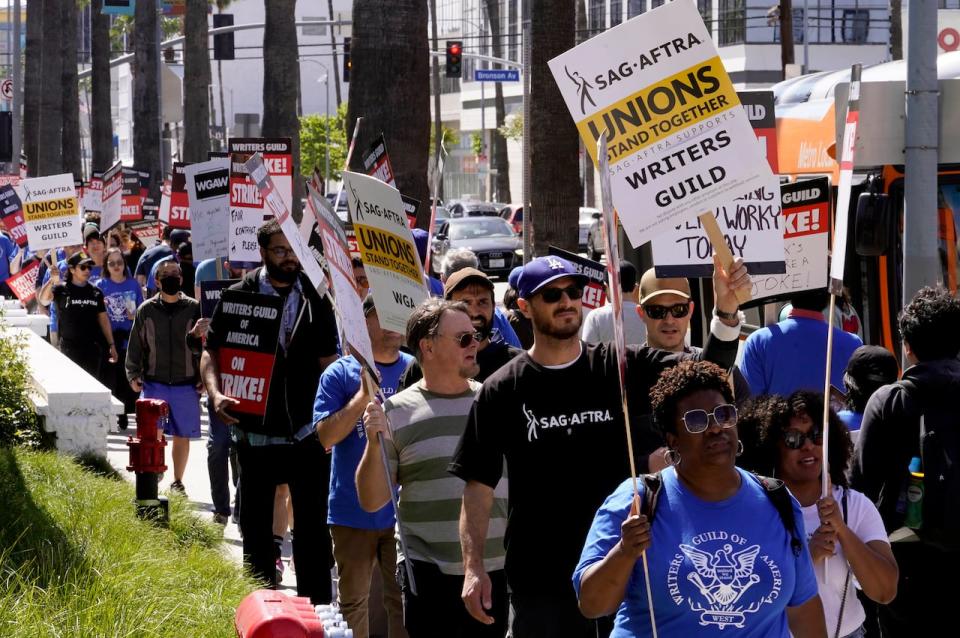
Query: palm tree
point(70, 142)
point(196, 80)
point(281, 83)
point(221, 5)
point(33, 56)
point(101, 126)
point(50, 129)
point(554, 184)
point(390, 88)
point(500, 160)
point(146, 99)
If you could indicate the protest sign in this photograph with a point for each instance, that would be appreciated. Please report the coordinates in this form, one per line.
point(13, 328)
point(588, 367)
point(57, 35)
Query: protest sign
point(24, 283)
point(208, 193)
point(131, 199)
point(11, 211)
point(51, 212)
point(249, 330)
point(210, 292)
point(277, 157)
point(806, 227)
point(247, 212)
point(111, 198)
point(411, 207)
point(165, 192)
point(93, 194)
point(846, 153)
point(151, 212)
point(148, 232)
point(376, 162)
point(349, 305)
point(10, 180)
point(179, 203)
point(760, 111)
point(595, 294)
point(678, 141)
point(386, 248)
point(257, 170)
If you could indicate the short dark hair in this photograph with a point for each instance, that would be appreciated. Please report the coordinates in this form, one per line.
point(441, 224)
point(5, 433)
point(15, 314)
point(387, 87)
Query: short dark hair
point(764, 420)
point(356, 262)
point(425, 321)
point(929, 324)
point(815, 300)
point(167, 231)
point(680, 381)
point(266, 231)
point(628, 276)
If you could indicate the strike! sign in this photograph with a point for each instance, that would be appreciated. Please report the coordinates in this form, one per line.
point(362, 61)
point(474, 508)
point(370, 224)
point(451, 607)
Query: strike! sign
point(595, 293)
point(24, 283)
point(111, 197)
point(51, 212)
point(11, 211)
point(248, 332)
point(678, 141)
point(247, 212)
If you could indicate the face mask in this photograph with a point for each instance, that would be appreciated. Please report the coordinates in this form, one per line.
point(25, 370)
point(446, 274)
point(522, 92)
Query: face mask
point(170, 285)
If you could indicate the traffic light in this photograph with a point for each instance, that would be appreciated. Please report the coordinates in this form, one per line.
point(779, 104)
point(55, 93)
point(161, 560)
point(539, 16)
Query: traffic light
point(223, 43)
point(347, 64)
point(454, 58)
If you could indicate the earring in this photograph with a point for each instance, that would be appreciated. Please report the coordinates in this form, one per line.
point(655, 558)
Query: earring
point(739, 448)
point(672, 457)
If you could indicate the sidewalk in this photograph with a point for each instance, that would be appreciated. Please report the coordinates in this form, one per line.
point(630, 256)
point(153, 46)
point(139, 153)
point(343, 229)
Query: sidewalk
point(196, 481)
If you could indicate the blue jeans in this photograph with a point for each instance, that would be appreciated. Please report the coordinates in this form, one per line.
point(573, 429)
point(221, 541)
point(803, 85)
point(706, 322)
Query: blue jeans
point(221, 459)
point(857, 633)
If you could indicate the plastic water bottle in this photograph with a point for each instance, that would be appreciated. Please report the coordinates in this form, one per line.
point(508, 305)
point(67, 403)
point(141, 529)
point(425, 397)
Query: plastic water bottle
point(914, 518)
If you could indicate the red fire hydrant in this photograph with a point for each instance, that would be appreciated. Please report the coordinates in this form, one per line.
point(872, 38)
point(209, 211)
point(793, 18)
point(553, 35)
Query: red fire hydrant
point(146, 458)
point(272, 614)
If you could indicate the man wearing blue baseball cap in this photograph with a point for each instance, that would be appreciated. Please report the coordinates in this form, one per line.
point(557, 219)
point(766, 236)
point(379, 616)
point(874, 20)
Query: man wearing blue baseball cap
point(554, 415)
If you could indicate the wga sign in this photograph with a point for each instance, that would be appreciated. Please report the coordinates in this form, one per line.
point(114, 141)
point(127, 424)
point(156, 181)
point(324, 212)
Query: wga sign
point(212, 184)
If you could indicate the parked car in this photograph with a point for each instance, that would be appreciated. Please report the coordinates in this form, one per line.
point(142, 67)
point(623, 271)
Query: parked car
point(471, 209)
point(513, 213)
point(491, 238)
point(587, 217)
point(341, 207)
point(594, 244)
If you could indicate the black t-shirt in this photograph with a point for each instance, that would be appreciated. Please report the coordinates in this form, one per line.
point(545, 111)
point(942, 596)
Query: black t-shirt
point(490, 359)
point(562, 435)
point(78, 308)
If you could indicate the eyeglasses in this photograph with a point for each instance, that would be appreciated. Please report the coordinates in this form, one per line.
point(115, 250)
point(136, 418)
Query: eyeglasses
point(115, 263)
point(464, 339)
point(697, 421)
point(280, 252)
point(677, 311)
point(793, 439)
point(552, 295)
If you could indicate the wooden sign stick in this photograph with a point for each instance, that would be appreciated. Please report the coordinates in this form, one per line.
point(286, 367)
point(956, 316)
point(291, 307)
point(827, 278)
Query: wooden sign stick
point(709, 223)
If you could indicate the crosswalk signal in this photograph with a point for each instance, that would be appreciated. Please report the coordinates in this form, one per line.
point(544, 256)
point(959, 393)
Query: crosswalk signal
point(454, 58)
point(347, 64)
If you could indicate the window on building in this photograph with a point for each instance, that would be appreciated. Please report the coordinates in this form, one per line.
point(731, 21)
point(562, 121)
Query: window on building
point(705, 7)
point(732, 21)
point(596, 17)
point(635, 8)
point(856, 25)
point(513, 31)
point(798, 30)
point(656, 3)
point(616, 12)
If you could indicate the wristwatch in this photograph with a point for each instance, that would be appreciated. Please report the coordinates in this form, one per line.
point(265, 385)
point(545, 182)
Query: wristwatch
point(727, 315)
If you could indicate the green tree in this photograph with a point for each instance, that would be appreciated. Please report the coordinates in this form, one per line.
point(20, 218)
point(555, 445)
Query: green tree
point(450, 138)
point(313, 142)
point(512, 128)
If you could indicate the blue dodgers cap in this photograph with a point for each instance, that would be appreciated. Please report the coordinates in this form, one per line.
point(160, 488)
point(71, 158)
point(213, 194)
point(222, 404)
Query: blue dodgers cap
point(514, 277)
point(542, 270)
point(420, 237)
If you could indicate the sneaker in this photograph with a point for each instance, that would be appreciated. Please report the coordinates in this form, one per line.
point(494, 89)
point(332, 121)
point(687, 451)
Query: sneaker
point(177, 486)
point(122, 422)
point(220, 519)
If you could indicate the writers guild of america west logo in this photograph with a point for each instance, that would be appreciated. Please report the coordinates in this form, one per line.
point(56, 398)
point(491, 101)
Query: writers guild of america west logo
point(562, 420)
point(724, 578)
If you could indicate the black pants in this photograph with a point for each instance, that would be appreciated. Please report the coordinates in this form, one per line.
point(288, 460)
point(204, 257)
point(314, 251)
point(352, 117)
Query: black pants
point(114, 376)
point(547, 614)
point(305, 467)
point(437, 609)
point(86, 355)
point(926, 597)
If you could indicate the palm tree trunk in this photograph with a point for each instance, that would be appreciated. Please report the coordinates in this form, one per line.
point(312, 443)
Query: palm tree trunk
point(49, 150)
point(555, 189)
point(146, 98)
point(896, 30)
point(589, 197)
point(333, 50)
point(33, 55)
point(392, 91)
point(500, 160)
point(70, 142)
point(281, 85)
point(101, 129)
point(196, 80)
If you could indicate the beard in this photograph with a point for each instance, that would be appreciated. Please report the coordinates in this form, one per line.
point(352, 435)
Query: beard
point(482, 325)
point(469, 371)
point(545, 325)
point(281, 274)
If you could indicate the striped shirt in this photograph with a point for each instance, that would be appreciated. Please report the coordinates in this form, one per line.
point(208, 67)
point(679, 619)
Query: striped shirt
point(426, 428)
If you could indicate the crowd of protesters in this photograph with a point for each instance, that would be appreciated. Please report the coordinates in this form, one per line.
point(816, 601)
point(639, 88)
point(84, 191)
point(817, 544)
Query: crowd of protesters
point(502, 429)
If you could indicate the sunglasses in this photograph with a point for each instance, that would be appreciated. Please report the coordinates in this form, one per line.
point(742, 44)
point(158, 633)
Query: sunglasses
point(552, 295)
point(115, 263)
point(464, 339)
point(697, 421)
point(793, 439)
point(677, 311)
point(82, 266)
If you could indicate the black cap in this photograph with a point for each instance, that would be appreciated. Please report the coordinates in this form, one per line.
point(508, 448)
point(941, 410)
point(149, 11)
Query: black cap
point(78, 258)
point(91, 230)
point(179, 236)
point(628, 276)
point(870, 367)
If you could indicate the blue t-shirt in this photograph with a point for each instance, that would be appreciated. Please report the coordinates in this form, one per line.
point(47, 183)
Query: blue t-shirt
point(792, 355)
point(338, 384)
point(436, 287)
point(852, 420)
point(8, 249)
point(715, 568)
point(122, 301)
point(207, 271)
point(502, 325)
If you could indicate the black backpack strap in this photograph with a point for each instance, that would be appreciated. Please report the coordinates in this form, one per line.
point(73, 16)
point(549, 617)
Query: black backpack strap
point(652, 484)
point(777, 492)
point(843, 504)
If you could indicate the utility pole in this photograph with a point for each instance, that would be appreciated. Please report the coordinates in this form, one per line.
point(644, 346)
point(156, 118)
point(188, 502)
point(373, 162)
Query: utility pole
point(786, 35)
point(17, 91)
point(920, 262)
point(437, 116)
point(527, 213)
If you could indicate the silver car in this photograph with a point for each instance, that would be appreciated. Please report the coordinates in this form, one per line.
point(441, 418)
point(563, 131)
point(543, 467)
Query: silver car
point(491, 238)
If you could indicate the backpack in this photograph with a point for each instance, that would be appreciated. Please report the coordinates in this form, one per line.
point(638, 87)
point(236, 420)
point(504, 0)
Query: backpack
point(939, 446)
point(775, 490)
